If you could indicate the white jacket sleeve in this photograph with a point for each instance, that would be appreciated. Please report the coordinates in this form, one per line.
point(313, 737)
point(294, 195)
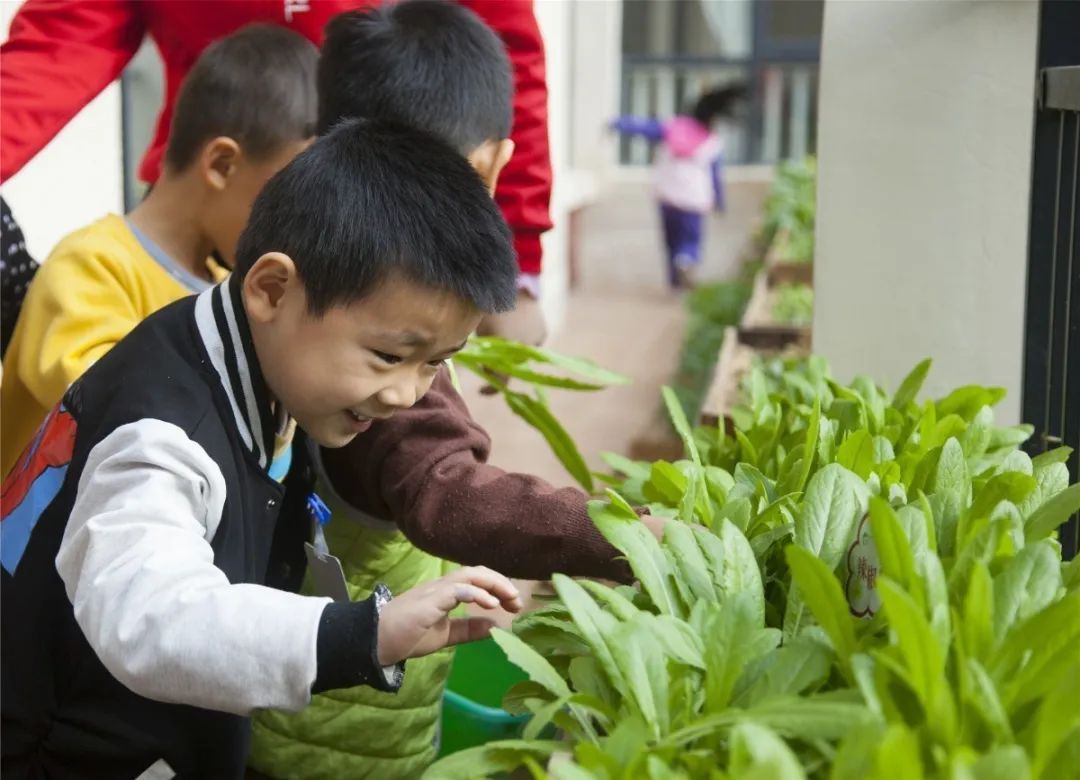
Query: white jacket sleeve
point(137, 565)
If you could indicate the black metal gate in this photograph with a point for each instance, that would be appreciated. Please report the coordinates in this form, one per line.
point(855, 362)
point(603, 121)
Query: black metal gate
point(1051, 390)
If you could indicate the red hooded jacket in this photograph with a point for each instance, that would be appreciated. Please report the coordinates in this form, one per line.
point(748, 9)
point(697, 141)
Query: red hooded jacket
point(62, 53)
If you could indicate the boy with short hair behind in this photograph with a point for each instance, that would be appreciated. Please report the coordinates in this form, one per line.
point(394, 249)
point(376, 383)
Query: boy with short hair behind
point(420, 478)
point(137, 634)
point(247, 107)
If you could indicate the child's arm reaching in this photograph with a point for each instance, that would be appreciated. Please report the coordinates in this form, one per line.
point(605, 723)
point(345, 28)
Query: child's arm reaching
point(647, 127)
point(425, 469)
point(138, 568)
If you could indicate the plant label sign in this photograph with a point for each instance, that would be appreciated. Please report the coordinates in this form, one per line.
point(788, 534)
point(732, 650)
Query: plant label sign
point(863, 567)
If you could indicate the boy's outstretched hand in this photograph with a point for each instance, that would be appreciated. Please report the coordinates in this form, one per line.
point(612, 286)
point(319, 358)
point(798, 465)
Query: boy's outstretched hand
point(418, 621)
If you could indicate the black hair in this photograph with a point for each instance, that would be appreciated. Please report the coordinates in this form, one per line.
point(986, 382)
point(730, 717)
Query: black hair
point(718, 102)
point(371, 199)
point(425, 63)
point(256, 86)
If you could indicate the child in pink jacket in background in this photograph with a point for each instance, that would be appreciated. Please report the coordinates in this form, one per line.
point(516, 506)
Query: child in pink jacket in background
point(687, 174)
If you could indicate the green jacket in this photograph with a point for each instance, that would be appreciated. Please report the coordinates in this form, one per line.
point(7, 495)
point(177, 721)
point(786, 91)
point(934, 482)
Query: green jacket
point(359, 732)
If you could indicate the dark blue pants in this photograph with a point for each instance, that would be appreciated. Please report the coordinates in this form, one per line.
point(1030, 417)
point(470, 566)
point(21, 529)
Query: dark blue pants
point(682, 238)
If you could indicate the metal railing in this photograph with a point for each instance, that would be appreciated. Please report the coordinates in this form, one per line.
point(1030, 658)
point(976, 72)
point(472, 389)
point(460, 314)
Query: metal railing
point(782, 117)
point(1051, 400)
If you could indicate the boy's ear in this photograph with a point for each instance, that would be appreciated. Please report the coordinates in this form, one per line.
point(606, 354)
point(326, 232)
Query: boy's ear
point(489, 159)
point(268, 283)
point(218, 161)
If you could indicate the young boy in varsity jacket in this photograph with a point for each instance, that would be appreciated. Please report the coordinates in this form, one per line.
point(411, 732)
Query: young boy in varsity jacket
point(415, 492)
point(137, 633)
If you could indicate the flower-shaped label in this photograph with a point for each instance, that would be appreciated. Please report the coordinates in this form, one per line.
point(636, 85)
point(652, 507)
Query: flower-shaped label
point(863, 568)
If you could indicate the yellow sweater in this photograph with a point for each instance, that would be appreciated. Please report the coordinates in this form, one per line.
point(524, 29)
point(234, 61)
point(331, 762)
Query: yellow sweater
point(95, 287)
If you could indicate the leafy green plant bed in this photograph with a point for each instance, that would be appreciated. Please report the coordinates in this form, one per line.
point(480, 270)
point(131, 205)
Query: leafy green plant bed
point(854, 584)
point(793, 304)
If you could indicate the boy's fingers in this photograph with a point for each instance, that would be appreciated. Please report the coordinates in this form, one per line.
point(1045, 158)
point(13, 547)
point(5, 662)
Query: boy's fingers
point(497, 584)
point(469, 629)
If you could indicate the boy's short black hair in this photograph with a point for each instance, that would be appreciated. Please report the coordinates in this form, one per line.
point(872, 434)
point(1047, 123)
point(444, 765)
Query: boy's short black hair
point(371, 199)
point(425, 63)
point(256, 86)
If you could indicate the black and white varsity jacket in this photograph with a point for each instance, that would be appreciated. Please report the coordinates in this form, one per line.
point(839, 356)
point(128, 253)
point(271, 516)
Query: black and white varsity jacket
point(139, 531)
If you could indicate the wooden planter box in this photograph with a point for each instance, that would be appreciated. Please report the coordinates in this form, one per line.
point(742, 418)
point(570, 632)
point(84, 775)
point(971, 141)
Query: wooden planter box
point(735, 361)
point(781, 271)
point(759, 330)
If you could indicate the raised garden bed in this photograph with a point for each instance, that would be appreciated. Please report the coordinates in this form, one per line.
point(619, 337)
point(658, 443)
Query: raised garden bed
point(759, 327)
point(735, 361)
point(782, 268)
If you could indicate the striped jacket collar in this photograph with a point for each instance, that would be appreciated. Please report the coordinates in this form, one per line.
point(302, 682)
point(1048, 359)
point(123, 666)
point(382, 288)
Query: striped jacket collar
point(223, 328)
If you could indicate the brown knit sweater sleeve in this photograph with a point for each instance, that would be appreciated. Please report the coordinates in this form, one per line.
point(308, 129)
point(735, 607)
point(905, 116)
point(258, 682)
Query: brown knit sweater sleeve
point(426, 470)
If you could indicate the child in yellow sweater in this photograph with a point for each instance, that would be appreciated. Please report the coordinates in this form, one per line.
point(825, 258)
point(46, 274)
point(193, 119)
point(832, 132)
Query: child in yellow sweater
point(245, 110)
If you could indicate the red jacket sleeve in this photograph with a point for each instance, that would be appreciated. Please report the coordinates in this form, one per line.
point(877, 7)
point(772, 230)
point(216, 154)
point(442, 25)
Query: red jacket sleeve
point(426, 470)
point(59, 55)
point(524, 189)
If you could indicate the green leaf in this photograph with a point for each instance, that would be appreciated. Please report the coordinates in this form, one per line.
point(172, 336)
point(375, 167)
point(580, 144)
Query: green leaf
point(693, 569)
point(893, 549)
point(520, 695)
point(740, 574)
point(898, 756)
point(857, 453)
point(823, 595)
point(758, 754)
point(1004, 762)
point(644, 554)
point(677, 639)
point(490, 759)
point(1038, 653)
point(835, 500)
point(923, 656)
point(812, 430)
point(911, 385)
point(594, 624)
point(682, 425)
point(1044, 520)
point(1057, 718)
point(537, 414)
point(609, 598)
point(633, 469)
point(542, 718)
point(1009, 486)
point(1018, 461)
point(1027, 584)
point(642, 665)
point(1050, 479)
point(1058, 455)
point(978, 622)
point(731, 637)
point(788, 670)
point(951, 469)
point(987, 702)
point(531, 662)
point(666, 484)
point(967, 401)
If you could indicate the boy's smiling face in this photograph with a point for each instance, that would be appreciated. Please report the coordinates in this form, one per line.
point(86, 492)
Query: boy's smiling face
point(338, 371)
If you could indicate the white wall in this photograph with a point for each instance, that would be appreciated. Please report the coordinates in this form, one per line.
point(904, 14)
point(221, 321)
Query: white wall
point(924, 146)
point(76, 178)
point(581, 38)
